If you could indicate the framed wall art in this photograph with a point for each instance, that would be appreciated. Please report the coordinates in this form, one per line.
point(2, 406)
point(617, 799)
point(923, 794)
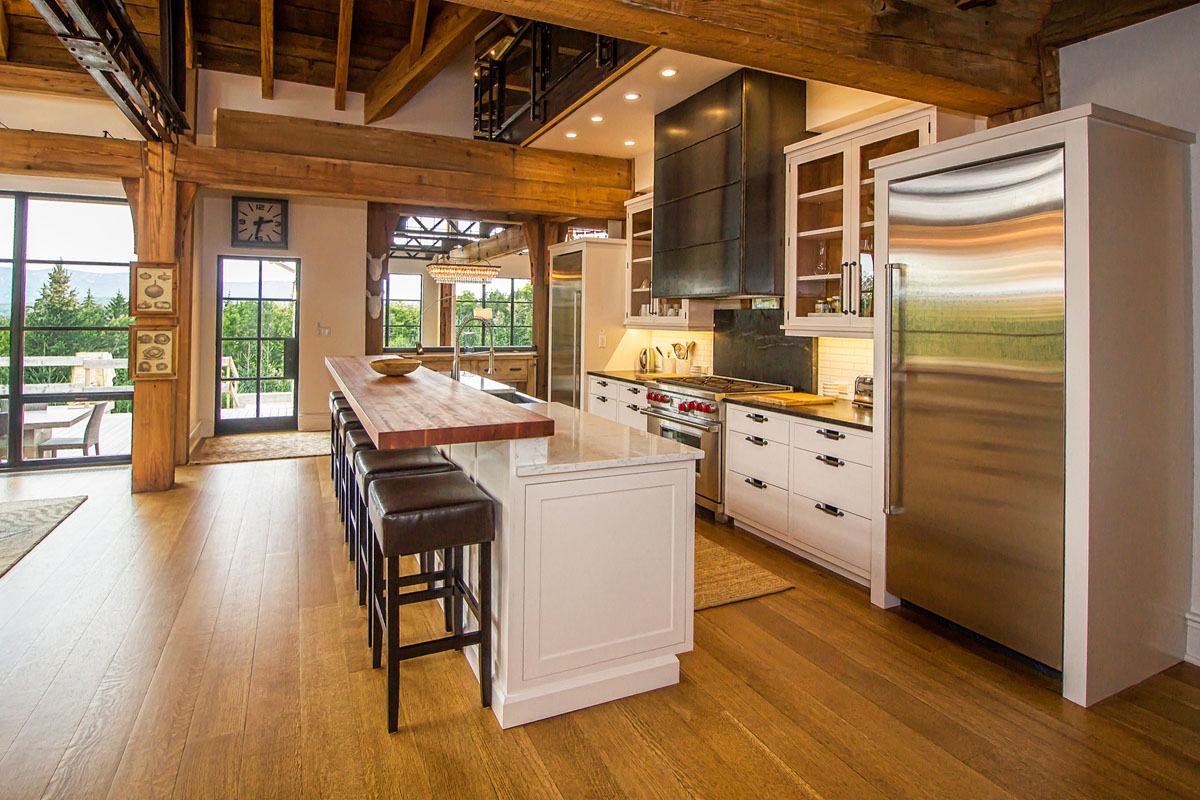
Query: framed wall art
point(153, 289)
point(152, 352)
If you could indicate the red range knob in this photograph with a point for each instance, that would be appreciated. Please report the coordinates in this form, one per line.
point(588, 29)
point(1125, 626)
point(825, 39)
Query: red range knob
point(691, 405)
point(683, 406)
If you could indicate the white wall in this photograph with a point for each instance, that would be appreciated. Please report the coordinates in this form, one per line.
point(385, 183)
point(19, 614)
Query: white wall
point(329, 237)
point(1150, 70)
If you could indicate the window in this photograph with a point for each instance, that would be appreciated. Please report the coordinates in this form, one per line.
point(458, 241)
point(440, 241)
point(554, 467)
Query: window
point(402, 311)
point(511, 301)
point(65, 391)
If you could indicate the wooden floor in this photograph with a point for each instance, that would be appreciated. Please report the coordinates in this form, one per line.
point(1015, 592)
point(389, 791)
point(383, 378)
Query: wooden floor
point(205, 642)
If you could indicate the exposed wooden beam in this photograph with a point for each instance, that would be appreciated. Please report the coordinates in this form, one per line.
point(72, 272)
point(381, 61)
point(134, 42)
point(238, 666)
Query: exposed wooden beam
point(266, 37)
point(480, 214)
point(341, 66)
point(416, 40)
point(982, 61)
point(189, 35)
point(69, 156)
point(407, 73)
point(246, 130)
point(1071, 21)
point(510, 240)
point(3, 33)
point(45, 80)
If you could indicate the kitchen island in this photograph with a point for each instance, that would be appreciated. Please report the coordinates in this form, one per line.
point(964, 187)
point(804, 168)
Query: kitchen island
point(593, 560)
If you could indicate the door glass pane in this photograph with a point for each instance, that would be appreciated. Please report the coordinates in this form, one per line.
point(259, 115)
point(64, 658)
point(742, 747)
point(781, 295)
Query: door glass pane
point(239, 319)
point(239, 358)
point(74, 429)
point(239, 399)
point(866, 211)
point(279, 279)
point(819, 235)
point(70, 230)
point(8, 207)
point(278, 318)
point(276, 398)
point(271, 361)
point(76, 361)
point(239, 277)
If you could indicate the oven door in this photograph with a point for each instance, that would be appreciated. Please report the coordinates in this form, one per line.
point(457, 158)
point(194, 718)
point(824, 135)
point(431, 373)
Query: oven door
point(700, 436)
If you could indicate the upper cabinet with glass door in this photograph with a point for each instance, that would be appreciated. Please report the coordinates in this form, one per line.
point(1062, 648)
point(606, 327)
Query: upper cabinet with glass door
point(642, 309)
point(831, 217)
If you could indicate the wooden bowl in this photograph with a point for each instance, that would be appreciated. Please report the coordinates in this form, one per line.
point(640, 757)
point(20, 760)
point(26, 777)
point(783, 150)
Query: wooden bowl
point(394, 367)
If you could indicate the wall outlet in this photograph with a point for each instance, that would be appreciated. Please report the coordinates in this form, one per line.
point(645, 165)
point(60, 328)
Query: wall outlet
point(323, 330)
point(603, 342)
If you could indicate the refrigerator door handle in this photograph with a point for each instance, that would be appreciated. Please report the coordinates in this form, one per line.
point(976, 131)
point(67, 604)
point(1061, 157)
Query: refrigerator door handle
point(891, 491)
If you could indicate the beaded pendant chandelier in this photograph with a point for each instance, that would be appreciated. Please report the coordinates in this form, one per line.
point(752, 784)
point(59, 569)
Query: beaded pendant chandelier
point(462, 270)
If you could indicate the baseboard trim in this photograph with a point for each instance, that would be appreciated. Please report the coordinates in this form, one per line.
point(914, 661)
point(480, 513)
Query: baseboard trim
point(1193, 637)
point(200, 431)
point(313, 422)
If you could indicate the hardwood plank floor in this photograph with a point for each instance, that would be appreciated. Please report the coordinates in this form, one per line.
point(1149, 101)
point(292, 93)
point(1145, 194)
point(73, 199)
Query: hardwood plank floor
point(206, 642)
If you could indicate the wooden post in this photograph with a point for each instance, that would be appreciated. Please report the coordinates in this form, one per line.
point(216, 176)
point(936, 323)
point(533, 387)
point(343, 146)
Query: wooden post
point(154, 401)
point(185, 241)
point(382, 219)
point(539, 263)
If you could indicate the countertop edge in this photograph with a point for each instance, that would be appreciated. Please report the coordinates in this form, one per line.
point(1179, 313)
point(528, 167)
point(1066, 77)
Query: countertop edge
point(532, 470)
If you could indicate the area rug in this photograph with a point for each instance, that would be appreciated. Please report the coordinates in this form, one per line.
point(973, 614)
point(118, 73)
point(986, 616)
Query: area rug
point(24, 523)
point(262, 447)
point(722, 576)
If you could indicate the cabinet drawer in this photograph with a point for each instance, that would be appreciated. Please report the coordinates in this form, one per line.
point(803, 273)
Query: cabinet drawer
point(757, 457)
point(764, 506)
point(763, 424)
point(844, 540)
point(602, 406)
point(832, 480)
point(603, 387)
point(630, 414)
point(847, 444)
point(631, 393)
point(511, 371)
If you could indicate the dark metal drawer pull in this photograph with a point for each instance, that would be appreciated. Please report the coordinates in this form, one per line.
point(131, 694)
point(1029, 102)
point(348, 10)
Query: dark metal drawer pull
point(602, 383)
point(832, 435)
point(830, 510)
point(756, 417)
point(632, 407)
point(602, 399)
point(633, 389)
point(830, 461)
point(756, 440)
point(756, 483)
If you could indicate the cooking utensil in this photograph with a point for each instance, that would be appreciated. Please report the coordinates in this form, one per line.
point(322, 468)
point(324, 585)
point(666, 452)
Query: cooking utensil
point(660, 352)
point(691, 348)
point(680, 352)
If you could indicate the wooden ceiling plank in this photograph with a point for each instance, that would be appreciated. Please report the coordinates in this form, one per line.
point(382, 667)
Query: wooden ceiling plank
point(1071, 21)
point(982, 61)
point(341, 70)
point(267, 47)
point(248, 130)
point(68, 155)
point(510, 240)
point(3, 33)
point(47, 80)
point(416, 40)
point(397, 83)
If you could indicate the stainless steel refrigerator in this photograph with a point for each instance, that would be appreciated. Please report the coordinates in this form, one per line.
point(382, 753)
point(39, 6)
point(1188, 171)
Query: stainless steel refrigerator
point(566, 321)
point(975, 452)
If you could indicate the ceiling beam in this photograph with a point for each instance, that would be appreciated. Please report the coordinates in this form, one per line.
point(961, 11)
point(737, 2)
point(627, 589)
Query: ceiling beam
point(1071, 21)
point(510, 240)
point(266, 37)
point(247, 130)
point(982, 61)
point(407, 74)
point(45, 80)
point(341, 65)
point(69, 156)
point(3, 33)
point(416, 39)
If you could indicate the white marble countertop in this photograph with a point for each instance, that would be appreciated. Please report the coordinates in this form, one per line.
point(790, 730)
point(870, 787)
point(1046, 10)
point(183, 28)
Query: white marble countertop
point(583, 441)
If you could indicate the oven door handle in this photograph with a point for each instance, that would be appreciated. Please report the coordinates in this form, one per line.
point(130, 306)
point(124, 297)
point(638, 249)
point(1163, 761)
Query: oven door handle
point(685, 427)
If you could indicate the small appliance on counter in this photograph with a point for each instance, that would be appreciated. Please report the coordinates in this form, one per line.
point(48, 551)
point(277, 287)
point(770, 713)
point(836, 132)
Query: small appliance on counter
point(864, 391)
point(647, 361)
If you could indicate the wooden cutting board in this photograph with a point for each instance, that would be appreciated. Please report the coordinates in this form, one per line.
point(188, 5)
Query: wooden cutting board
point(793, 399)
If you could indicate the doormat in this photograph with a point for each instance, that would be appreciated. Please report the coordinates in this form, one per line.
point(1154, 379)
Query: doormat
point(262, 447)
point(24, 523)
point(723, 576)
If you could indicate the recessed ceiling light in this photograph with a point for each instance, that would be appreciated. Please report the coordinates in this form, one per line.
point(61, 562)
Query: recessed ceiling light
point(597, 118)
point(571, 134)
point(630, 142)
point(632, 96)
point(669, 72)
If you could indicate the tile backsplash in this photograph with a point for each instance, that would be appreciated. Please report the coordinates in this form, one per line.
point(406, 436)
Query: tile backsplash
point(702, 355)
point(842, 360)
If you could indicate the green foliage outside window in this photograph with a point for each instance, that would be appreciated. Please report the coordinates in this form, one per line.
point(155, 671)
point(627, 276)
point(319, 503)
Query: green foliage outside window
point(511, 301)
point(240, 341)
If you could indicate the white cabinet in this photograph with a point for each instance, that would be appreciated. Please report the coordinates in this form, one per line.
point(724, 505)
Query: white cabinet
point(620, 401)
point(830, 284)
point(602, 406)
point(804, 483)
point(642, 310)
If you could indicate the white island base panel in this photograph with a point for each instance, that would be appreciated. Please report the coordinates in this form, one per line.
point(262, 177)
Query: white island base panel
point(592, 564)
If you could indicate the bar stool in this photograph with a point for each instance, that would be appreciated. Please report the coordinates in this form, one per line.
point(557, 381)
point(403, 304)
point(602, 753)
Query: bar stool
point(424, 514)
point(337, 401)
point(356, 439)
point(346, 419)
point(372, 465)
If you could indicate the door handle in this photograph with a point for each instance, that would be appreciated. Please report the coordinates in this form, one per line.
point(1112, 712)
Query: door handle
point(756, 483)
point(845, 287)
point(850, 299)
point(757, 441)
point(831, 435)
point(830, 461)
point(756, 417)
point(894, 325)
point(832, 511)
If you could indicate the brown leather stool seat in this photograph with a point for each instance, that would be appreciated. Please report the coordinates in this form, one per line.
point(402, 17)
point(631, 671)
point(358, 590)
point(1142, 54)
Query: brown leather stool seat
point(354, 440)
point(337, 402)
point(344, 419)
point(371, 465)
point(423, 514)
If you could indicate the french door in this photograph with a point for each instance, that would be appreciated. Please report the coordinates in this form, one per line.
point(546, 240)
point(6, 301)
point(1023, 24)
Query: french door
point(257, 344)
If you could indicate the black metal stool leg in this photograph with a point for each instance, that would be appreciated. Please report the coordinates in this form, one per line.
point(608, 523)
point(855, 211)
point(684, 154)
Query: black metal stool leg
point(447, 605)
point(457, 581)
point(374, 631)
point(392, 624)
point(485, 623)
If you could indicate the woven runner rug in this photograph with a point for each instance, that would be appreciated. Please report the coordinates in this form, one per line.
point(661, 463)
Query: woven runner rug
point(262, 447)
point(722, 576)
point(24, 523)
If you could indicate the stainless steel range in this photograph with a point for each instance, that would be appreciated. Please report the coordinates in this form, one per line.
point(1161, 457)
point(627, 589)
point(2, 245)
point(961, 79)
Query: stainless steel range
point(689, 410)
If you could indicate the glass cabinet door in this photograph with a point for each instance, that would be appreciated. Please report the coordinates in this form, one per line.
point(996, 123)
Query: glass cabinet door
point(819, 212)
point(641, 225)
point(888, 143)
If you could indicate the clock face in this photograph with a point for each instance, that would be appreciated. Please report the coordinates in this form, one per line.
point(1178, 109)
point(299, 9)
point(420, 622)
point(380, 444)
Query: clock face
point(259, 223)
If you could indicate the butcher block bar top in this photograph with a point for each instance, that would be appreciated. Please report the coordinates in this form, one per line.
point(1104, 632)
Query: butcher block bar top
point(427, 408)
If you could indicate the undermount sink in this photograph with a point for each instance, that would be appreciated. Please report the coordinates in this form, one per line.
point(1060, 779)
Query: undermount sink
point(515, 397)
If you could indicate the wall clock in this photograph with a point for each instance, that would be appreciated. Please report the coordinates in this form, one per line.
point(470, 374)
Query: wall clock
point(260, 222)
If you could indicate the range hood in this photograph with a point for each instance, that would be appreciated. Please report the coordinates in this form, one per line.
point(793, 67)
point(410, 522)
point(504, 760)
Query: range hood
point(719, 186)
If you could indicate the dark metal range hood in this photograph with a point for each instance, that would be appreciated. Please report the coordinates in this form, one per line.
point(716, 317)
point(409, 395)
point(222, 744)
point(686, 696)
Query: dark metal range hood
point(719, 186)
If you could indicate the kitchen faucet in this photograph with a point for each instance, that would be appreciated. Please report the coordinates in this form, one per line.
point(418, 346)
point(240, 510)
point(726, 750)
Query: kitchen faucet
point(486, 326)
